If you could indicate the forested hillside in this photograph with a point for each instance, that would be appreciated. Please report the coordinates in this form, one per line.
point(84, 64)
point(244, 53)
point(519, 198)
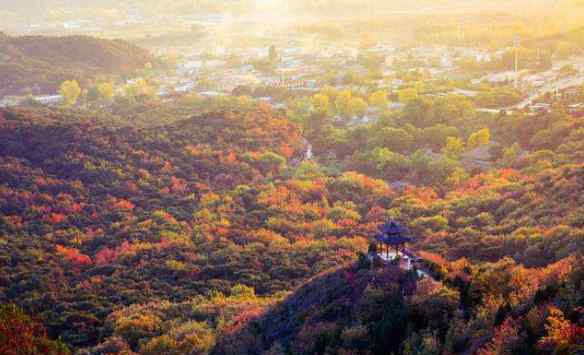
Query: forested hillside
point(38, 64)
point(214, 234)
point(105, 217)
point(500, 308)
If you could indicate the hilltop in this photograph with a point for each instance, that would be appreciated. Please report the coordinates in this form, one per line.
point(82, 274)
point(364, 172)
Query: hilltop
point(357, 310)
point(39, 64)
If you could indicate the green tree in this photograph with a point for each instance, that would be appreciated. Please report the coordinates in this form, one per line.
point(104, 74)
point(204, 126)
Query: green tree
point(272, 162)
point(394, 139)
point(441, 169)
point(392, 165)
point(435, 136)
point(299, 110)
point(92, 94)
point(511, 154)
point(70, 91)
point(420, 163)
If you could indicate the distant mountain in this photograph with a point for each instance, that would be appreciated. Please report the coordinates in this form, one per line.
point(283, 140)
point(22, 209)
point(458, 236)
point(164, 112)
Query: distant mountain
point(39, 64)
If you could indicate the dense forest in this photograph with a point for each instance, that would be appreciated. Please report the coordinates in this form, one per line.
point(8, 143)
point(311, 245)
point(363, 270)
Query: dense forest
point(38, 64)
point(213, 233)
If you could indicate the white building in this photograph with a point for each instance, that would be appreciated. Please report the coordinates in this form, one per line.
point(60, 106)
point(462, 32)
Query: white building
point(9, 101)
point(49, 99)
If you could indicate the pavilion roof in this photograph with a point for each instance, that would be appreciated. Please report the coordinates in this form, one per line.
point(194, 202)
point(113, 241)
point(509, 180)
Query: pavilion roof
point(393, 234)
point(392, 228)
point(392, 239)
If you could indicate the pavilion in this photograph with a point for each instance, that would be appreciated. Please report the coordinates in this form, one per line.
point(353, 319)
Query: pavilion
point(391, 236)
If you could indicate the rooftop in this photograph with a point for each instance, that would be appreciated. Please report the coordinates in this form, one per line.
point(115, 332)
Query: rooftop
point(392, 233)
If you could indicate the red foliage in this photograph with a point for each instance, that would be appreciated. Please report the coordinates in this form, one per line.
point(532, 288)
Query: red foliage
point(19, 334)
point(56, 218)
point(425, 195)
point(122, 205)
point(73, 256)
point(243, 318)
point(178, 185)
point(107, 255)
point(505, 336)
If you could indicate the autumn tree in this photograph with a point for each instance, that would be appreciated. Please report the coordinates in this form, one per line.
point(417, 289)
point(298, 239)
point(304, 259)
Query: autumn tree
point(70, 91)
point(20, 335)
point(106, 90)
point(453, 148)
point(321, 104)
point(358, 106)
point(140, 89)
point(407, 95)
point(561, 333)
point(343, 103)
point(379, 99)
point(479, 138)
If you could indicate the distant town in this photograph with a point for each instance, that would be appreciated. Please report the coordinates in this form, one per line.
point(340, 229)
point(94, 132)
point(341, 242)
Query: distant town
point(298, 69)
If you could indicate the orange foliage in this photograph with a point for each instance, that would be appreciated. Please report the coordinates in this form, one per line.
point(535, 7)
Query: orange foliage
point(560, 331)
point(278, 197)
point(56, 218)
point(435, 258)
point(229, 159)
point(424, 195)
point(243, 318)
point(122, 205)
point(108, 256)
point(167, 168)
point(503, 340)
point(286, 151)
point(105, 256)
point(178, 185)
point(73, 256)
point(375, 214)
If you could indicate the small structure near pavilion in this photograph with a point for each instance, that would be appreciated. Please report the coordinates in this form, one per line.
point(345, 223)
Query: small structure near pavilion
point(392, 236)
